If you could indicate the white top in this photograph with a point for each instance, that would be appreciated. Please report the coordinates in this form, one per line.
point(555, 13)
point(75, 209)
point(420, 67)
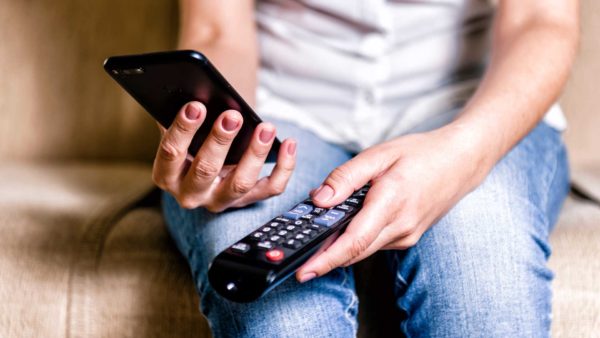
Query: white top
point(358, 72)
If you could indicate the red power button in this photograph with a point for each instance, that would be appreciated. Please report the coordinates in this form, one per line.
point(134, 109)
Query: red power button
point(274, 255)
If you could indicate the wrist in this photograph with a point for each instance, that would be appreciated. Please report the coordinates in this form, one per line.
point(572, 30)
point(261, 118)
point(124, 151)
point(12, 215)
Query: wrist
point(476, 149)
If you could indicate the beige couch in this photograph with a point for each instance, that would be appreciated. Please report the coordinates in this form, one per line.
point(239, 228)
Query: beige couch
point(83, 248)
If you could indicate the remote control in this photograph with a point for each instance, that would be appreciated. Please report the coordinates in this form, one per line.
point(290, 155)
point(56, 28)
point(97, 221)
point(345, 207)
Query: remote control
point(266, 257)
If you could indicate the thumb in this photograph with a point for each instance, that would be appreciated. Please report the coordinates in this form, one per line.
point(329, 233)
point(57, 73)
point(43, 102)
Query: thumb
point(343, 181)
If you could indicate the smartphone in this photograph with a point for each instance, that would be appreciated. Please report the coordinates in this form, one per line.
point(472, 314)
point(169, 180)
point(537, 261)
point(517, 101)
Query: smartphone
point(165, 81)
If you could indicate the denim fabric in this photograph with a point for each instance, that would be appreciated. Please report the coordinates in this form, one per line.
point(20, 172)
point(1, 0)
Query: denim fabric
point(480, 272)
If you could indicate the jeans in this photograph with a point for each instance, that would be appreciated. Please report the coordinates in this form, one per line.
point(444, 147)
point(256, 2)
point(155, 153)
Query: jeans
point(479, 272)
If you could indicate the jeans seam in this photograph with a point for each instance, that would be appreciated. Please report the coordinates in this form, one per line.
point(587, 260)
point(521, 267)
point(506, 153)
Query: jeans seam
point(351, 303)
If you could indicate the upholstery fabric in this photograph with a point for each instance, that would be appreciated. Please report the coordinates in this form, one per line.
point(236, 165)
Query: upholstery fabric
point(81, 257)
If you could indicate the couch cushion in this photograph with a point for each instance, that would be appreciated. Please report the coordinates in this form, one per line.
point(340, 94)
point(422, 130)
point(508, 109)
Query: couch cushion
point(576, 263)
point(139, 287)
point(53, 218)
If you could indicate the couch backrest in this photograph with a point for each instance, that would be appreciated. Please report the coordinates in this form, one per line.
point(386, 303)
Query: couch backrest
point(581, 99)
point(56, 102)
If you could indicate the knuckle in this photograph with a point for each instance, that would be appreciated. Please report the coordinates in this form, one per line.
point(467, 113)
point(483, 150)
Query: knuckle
point(187, 202)
point(409, 241)
point(341, 175)
point(276, 189)
point(241, 187)
point(260, 151)
point(204, 169)
point(359, 245)
point(221, 139)
point(181, 126)
point(168, 151)
point(214, 208)
point(158, 179)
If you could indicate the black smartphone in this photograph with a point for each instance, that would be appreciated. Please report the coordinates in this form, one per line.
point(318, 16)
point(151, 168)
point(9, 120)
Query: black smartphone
point(165, 81)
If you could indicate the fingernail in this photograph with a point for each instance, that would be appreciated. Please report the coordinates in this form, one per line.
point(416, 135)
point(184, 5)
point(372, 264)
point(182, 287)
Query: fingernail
point(324, 193)
point(192, 111)
point(266, 135)
point(292, 148)
point(229, 124)
point(307, 276)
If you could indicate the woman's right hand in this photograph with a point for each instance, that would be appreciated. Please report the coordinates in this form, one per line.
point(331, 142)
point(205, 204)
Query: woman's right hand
point(203, 181)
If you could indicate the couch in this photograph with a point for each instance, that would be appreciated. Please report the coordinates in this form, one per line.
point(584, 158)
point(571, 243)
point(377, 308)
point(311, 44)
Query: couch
point(83, 247)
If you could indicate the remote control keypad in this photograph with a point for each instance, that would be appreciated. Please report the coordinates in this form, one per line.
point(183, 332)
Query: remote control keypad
point(285, 234)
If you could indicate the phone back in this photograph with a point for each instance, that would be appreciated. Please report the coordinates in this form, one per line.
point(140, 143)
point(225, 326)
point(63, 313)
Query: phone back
point(163, 82)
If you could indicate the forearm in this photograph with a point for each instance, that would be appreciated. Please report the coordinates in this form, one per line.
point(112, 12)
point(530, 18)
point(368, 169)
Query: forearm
point(529, 67)
point(227, 36)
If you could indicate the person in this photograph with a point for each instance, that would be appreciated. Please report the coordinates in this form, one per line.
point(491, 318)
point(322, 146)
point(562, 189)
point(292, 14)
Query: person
point(446, 107)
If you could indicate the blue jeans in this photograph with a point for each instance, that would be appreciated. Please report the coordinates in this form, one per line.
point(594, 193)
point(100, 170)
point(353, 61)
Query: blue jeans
point(480, 271)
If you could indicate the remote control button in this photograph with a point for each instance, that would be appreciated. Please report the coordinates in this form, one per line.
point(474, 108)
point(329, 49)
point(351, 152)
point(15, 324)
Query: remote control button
point(282, 220)
point(345, 208)
point(265, 245)
point(268, 230)
point(318, 211)
point(330, 218)
point(275, 225)
point(298, 211)
point(240, 247)
point(276, 239)
point(353, 201)
point(290, 228)
point(257, 236)
point(299, 223)
point(308, 217)
point(274, 255)
point(309, 232)
point(316, 227)
point(302, 238)
point(292, 244)
point(360, 193)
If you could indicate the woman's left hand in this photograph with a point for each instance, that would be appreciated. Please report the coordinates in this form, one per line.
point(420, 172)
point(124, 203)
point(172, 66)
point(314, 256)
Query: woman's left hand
point(415, 180)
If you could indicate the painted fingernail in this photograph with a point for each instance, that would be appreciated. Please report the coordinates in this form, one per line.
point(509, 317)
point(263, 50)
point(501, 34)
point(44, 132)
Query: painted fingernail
point(292, 148)
point(192, 111)
point(307, 276)
point(324, 193)
point(266, 135)
point(230, 124)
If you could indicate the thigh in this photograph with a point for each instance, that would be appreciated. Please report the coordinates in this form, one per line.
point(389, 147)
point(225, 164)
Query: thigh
point(325, 307)
point(481, 270)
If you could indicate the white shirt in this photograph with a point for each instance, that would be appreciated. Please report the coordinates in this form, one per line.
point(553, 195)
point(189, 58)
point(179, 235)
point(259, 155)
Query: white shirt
point(358, 72)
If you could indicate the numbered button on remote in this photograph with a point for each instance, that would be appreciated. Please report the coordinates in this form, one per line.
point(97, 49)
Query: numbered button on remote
point(309, 233)
point(330, 218)
point(257, 236)
point(301, 237)
point(276, 239)
point(298, 211)
point(268, 230)
point(292, 244)
point(284, 233)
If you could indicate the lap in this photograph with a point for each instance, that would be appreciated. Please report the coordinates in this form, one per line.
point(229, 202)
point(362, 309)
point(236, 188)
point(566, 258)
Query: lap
point(482, 267)
point(324, 307)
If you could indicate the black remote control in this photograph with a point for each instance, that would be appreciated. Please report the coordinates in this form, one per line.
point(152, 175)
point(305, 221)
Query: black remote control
point(266, 257)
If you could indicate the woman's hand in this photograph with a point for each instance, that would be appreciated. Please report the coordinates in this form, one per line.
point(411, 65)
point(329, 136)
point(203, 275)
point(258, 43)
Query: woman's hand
point(415, 180)
point(203, 181)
